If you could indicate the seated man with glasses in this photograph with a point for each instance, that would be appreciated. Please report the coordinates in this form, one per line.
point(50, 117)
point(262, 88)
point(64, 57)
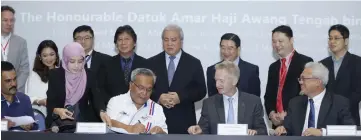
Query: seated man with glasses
point(135, 111)
point(310, 114)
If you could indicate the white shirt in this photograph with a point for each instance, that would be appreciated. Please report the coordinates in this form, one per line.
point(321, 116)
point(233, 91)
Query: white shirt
point(122, 109)
point(235, 106)
point(90, 59)
point(176, 59)
point(36, 90)
point(236, 61)
point(288, 59)
point(5, 40)
point(317, 100)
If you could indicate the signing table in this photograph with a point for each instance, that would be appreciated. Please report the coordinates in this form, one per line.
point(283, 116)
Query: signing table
point(68, 136)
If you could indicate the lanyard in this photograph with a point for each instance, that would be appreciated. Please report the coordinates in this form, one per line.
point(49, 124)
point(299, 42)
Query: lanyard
point(4, 47)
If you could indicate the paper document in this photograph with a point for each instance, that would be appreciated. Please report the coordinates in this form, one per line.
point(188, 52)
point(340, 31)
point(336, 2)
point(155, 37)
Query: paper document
point(120, 130)
point(23, 120)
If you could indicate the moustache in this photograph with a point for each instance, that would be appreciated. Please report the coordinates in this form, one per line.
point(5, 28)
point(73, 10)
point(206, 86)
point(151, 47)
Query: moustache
point(14, 87)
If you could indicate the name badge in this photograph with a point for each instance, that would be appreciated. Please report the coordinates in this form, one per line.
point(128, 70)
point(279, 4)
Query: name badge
point(341, 130)
point(4, 125)
point(91, 128)
point(232, 129)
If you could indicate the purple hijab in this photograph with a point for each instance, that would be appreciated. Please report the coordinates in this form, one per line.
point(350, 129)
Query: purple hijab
point(74, 82)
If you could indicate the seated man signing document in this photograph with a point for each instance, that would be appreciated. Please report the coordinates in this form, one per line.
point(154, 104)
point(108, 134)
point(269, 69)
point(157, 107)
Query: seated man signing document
point(134, 111)
point(231, 106)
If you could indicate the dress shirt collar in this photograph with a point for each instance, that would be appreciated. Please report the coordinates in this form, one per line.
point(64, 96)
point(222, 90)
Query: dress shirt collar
point(177, 56)
point(235, 96)
point(6, 37)
point(318, 98)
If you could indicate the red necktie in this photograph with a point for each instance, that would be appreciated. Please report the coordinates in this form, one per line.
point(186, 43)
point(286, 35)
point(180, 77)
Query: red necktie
point(282, 78)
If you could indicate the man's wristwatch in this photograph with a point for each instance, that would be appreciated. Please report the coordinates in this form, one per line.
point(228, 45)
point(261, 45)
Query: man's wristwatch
point(102, 111)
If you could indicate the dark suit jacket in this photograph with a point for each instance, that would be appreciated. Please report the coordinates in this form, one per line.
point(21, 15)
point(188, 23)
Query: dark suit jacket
point(189, 83)
point(250, 111)
point(111, 78)
point(291, 87)
point(347, 81)
point(56, 97)
point(98, 59)
point(248, 80)
point(334, 111)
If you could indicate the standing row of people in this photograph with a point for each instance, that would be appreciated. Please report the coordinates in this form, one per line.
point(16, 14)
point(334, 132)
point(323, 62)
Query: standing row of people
point(88, 79)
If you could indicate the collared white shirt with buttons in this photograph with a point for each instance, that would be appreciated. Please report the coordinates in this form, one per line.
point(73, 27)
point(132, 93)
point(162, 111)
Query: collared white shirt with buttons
point(122, 109)
point(235, 106)
point(176, 59)
point(317, 100)
point(5, 41)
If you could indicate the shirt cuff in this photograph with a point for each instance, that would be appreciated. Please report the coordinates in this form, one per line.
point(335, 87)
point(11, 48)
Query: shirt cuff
point(324, 131)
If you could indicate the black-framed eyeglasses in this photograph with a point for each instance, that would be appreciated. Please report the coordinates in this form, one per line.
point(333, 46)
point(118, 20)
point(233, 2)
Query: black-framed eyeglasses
point(86, 38)
point(148, 90)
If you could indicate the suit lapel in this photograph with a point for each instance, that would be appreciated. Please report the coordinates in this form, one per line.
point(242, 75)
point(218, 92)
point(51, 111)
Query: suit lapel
point(94, 61)
point(179, 70)
point(343, 66)
point(11, 57)
point(163, 70)
point(242, 74)
point(301, 114)
point(241, 109)
point(135, 62)
point(220, 108)
point(325, 106)
point(329, 65)
point(118, 66)
point(292, 67)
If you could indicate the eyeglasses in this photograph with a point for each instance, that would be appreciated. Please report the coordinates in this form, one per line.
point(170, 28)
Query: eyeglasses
point(335, 38)
point(303, 79)
point(148, 90)
point(87, 38)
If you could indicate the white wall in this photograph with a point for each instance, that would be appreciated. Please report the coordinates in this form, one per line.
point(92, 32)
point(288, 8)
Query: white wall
point(203, 24)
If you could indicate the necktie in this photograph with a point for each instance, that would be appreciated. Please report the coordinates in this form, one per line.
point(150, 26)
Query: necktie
point(86, 61)
point(126, 70)
point(282, 78)
point(311, 115)
point(171, 69)
point(230, 118)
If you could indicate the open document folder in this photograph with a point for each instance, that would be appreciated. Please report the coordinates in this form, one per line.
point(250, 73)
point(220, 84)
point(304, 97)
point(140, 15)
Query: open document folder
point(22, 120)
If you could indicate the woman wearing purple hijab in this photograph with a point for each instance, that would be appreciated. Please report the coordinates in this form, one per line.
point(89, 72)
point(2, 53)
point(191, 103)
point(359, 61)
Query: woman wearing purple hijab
point(69, 88)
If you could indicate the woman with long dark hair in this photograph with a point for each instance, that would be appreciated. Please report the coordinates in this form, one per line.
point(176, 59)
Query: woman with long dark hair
point(47, 58)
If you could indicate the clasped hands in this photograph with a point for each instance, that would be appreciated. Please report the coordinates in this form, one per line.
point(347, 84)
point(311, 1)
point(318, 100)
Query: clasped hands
point(169, 100)
point(277, 118)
